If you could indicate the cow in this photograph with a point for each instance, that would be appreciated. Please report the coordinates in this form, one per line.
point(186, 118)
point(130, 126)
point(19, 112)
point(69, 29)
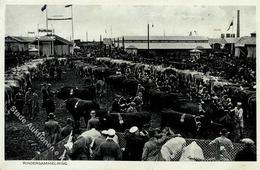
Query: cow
point(195, 126)
point(80, 108)
point(122, 121)
point(67, 92)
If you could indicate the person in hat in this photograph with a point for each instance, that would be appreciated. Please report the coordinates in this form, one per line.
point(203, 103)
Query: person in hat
point(28, 102)
point(224, 145)
point(248, 153)
point(151, 149)
point(80, 149)
point(66, 130)
point(134, 144)
point(239, 119)
point(98, 141)
point(35, 104)
point(45, 94)
point(19, 101)
point(109, 150)
point(52, 129)
point(93, 122)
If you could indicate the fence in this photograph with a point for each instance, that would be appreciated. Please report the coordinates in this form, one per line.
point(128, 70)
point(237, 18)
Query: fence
point(209, 152)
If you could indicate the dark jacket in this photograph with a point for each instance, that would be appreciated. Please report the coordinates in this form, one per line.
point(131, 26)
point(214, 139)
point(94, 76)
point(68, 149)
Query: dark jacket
point(134, 147)
point(109, 150)
point(247, 154)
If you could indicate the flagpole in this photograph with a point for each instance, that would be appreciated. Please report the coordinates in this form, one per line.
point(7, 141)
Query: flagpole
point(46, 18)
point(72, 28)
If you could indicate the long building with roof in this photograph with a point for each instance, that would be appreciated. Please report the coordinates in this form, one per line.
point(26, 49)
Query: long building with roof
point(165, 45)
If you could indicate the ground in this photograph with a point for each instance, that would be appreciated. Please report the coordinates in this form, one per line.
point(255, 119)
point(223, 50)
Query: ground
point(22, 144)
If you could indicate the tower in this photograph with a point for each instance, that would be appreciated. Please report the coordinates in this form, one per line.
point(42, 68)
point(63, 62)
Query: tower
point(238, 23)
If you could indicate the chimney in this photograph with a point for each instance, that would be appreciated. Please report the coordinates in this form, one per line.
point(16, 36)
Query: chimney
point(238, 23)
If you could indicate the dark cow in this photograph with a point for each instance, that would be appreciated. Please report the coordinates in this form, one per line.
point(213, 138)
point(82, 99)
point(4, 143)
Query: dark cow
point(87, 93)
point(80, 108)
point(195, 126)
point(122, 121)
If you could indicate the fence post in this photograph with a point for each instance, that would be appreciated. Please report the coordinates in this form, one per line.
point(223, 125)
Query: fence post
point(217, 156)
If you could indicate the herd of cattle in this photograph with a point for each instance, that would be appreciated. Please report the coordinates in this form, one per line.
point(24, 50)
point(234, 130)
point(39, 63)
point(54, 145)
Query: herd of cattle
point(174, 109)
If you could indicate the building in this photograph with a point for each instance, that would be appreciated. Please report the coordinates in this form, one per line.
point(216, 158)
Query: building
point(18, 43)
point(165, 46)
point(246, 46)
point(53, 45)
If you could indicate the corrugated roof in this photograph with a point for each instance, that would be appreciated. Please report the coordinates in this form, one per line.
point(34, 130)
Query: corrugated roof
point(231, 40)
point(246, 40)
point(169, 45)
point(20, 39)
point(217, 41)
point(165, 38)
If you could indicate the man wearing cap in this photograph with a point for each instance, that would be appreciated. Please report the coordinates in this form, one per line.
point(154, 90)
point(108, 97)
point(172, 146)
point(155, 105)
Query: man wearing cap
point(223, 144)
point(98, 141)
point(93, 121)
point(28, 102)
point(134, 144)
point(66, 130)
point(239, 120)
point(45, 94)
point(35, 104)
point(109, 150)
point(80, 149)
point(19, 101)
point(52, 129)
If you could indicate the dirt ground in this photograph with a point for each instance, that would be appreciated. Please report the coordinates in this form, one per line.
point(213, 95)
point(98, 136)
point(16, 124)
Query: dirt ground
point(22, 144)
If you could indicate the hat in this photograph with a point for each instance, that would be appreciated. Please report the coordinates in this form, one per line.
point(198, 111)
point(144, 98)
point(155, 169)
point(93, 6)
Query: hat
point(93, 112)
point(239, 103)
point(104, 132)
point(111, 132)
point(51, 116)
point(49, 84)
point(224, 131)
point(133, 129)
point(248, 141)
point(69, 120)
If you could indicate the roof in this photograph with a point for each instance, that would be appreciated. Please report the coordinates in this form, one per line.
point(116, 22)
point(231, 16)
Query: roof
point(217, 41)
point(231, 40)
point(246, 40)
point(53, 38)
point(19, 39)
point(189, 46)
point(165, 38)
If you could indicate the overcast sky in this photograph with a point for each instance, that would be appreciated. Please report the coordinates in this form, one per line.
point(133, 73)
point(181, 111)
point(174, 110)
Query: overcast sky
point(130, 20)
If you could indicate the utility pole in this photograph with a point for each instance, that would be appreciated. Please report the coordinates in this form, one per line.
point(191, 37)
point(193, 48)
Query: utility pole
point(148, 50)
point(86, 36)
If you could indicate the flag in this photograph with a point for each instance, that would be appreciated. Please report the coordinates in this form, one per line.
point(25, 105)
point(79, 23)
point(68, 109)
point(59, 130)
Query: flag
point(66, 6)
point(43, 7)
point(231, 24)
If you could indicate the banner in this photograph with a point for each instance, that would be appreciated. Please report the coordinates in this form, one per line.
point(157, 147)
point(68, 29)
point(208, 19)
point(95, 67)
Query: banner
point(44, 30)
point(60, 18)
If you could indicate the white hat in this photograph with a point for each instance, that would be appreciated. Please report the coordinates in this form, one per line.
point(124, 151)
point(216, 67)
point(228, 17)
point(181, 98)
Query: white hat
point(104, 132)
point(92, 112)
point(239, 103)
point(133, 129)
point(248, 141)
point(111, 132)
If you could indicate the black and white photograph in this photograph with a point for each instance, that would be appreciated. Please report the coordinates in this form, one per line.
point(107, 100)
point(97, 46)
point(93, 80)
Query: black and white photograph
point(129, 82)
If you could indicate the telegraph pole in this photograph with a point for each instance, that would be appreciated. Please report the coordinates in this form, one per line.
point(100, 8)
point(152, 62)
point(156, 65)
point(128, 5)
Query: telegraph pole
point(148, 40)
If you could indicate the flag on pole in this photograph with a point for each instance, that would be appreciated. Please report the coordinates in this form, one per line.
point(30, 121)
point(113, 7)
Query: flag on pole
point(231, 24)
point(43, 7)
point(66, 6)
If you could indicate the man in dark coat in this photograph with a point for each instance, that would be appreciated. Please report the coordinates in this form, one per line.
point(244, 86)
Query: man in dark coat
point(19, 101)
point(66, 130)
point(248, 153)
point(134, 144)
point(109, 150)
point(52, 129)
point(98, 141)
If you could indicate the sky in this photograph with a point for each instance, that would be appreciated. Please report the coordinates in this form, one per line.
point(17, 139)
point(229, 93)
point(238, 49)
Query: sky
point(116, 20)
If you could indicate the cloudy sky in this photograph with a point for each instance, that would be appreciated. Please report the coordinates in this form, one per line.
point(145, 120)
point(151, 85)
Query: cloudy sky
point(119, 20)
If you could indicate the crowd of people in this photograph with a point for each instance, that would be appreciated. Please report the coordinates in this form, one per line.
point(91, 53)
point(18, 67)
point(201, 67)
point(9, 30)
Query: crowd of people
point(141, 144)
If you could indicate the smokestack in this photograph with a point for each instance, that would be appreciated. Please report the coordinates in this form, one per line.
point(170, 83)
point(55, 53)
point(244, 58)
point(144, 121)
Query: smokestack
point(238, 23)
